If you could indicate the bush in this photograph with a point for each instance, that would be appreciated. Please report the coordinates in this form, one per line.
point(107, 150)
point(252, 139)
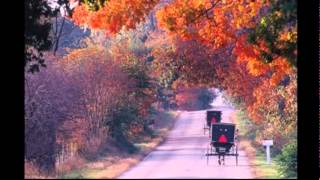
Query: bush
point(45, 109)
point(247, 127)
point(287, 160)
point(69, 165)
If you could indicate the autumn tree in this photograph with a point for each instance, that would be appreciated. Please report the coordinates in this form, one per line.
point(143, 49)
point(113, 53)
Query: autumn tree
point(104, 86)
point(221, 23)
point(112, 15)
point(211, 22)
point(134, 58)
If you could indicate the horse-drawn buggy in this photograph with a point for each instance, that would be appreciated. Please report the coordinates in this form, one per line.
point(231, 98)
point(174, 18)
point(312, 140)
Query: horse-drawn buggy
point(212, 117)
point(223, 141)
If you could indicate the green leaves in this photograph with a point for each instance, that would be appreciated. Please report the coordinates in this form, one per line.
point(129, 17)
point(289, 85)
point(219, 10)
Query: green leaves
point(263, 22)
point(278, 31)
point(95, 5)
point(287, 160)
point(252, 38)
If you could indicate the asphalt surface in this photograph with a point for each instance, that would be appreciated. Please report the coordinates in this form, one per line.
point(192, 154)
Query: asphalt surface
point(182, 155)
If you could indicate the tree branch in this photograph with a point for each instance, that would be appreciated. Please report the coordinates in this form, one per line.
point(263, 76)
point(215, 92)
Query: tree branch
point(205, 12)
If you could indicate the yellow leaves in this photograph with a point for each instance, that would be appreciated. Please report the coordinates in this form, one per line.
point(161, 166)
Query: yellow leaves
point(241, 8)
point(284, 36)
point(198, 3)
point(289, 36)
point(256, 67)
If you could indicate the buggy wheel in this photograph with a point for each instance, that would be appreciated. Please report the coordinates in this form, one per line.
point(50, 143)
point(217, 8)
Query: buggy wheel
point(223, 160)
point(208, 151)
point(237, 159)
point(237, 155)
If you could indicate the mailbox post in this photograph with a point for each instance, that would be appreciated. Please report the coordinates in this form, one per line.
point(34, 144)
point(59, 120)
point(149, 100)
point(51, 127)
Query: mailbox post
point(268, 143)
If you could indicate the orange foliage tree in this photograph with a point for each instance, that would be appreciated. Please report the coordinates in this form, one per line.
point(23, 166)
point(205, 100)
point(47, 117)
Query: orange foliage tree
point(113, 15)
point(212, 22)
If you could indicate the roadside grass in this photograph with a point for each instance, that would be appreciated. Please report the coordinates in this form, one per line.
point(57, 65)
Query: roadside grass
point(264, 170)
point(76, 174)
point(256, 155)
point(113, 165)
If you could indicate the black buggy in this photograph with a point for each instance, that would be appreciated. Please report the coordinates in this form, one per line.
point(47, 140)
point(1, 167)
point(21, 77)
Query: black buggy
point(223, 143)
point(211, 114)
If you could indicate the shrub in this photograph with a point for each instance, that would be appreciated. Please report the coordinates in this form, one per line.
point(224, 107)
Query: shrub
point(45, 110)
point(71, 164)
point(287, 160)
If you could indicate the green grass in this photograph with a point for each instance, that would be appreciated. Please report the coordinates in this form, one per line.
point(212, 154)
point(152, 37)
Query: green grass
point(80, 173)
point(265, 171)
point(76, 174)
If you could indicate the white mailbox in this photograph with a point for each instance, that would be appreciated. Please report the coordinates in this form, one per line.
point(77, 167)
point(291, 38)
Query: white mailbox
point(268, 143)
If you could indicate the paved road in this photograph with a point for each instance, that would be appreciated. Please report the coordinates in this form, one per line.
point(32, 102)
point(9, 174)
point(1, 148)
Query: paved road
point(182, 154)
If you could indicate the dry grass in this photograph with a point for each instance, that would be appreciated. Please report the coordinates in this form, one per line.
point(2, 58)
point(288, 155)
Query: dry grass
point(74, 163)
point(32, 172)
point(111, 170)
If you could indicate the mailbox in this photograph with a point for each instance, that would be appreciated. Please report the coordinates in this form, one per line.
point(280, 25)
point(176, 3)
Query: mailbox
point(267, 142)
